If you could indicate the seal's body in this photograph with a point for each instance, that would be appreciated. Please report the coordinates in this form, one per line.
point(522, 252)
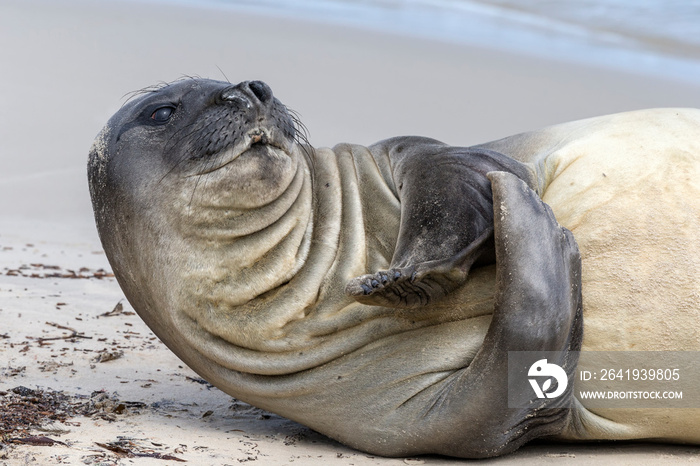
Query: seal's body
point(628, 187)
point(373, 293)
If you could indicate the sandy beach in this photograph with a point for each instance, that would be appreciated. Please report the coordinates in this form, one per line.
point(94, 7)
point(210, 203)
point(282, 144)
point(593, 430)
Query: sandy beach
point(64, 324)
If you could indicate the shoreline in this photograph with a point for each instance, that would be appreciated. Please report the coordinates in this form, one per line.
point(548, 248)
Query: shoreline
point(476, 23)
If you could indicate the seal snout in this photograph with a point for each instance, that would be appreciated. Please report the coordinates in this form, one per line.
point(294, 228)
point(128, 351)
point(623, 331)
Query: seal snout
point(248, 93)
point(260, 118)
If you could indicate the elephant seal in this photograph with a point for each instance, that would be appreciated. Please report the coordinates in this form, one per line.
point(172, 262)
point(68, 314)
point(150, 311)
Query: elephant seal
point(375, 293)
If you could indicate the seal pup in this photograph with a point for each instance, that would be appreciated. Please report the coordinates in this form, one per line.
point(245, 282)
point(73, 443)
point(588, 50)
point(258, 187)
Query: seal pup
point(371, 293)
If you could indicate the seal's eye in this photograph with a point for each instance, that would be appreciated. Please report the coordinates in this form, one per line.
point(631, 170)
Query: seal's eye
point(162, 114)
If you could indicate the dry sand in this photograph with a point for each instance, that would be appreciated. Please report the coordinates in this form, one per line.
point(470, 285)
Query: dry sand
point(65, 68)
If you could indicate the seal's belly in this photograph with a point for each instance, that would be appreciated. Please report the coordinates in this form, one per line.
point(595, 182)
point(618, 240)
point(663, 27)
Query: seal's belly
point(630, 193)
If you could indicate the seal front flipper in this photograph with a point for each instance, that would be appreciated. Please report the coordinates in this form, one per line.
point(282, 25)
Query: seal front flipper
point(446, 220)
point(419, 284)
point(537, 308)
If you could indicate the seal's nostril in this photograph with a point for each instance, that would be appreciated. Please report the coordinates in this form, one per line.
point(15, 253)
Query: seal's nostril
point(233, 95)
point(261, 90)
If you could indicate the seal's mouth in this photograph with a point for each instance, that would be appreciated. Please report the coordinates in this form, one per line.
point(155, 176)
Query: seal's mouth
point(260, 140)
point(258, 136)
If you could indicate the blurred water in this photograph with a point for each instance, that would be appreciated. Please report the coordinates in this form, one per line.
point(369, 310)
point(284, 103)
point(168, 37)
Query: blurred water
point(656, 37)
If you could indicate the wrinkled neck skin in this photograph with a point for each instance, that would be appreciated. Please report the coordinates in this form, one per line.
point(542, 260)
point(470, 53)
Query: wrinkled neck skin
point(240, 283)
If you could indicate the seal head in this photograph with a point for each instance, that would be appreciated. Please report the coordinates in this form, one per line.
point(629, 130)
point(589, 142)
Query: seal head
point(186, 165)
point(195, 127)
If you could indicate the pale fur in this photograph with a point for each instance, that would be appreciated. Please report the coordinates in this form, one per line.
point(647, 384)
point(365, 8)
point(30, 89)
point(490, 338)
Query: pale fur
point(628, 187)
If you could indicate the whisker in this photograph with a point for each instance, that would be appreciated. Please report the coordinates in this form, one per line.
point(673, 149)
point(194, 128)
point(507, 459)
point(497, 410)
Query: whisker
point(155, 88)
point(197, 128)
point(208, 172)
point(301, 137)
point(168, 146)
point(223, 74)
point(208, 164)
point(194, 190)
